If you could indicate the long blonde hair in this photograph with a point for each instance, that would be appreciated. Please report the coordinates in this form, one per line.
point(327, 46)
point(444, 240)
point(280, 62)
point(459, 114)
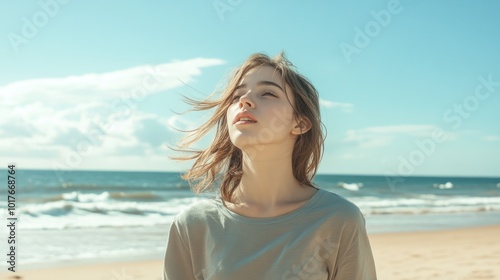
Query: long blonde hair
point(221, 160)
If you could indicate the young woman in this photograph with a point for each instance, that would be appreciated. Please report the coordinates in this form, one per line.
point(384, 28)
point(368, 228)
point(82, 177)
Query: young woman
point(268, 221)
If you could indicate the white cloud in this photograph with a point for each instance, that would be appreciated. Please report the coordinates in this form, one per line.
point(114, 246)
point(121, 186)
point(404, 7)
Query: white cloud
point(344, 107)
point(492, 138)
point(93, 114)
point(177, 122)
point(381, 136)
point(132, 83)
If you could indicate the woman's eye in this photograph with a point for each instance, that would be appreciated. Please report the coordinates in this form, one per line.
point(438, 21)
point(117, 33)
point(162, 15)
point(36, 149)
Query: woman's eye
point(236, 97)
point(269, 93)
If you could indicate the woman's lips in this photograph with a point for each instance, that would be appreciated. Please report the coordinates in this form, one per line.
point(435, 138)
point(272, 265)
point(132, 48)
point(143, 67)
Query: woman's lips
point(244, 115)
point(244, 122)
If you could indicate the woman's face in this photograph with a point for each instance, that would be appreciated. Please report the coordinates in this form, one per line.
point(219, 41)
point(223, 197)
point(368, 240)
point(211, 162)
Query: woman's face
point(260, 97)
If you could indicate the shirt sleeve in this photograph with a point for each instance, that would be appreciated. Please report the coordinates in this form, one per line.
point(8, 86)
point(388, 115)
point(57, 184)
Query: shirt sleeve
point(357, 262)
point(177, 263)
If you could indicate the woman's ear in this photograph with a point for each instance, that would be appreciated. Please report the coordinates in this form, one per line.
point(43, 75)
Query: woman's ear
point(302, 126)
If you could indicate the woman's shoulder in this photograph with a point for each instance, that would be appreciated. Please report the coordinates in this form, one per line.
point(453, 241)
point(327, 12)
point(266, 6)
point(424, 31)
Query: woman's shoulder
point(196, 211)
point(338, 207)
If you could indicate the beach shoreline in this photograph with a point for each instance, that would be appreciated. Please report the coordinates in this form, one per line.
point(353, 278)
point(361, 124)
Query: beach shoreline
point(460, 253)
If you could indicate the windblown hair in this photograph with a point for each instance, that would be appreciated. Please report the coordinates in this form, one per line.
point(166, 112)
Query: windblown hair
point(222, 161)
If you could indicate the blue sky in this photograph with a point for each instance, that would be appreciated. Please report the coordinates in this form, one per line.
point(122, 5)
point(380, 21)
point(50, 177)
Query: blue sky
point(407, 87)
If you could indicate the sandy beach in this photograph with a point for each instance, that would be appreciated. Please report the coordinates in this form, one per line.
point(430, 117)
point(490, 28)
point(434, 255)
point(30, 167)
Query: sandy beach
point(468, 253)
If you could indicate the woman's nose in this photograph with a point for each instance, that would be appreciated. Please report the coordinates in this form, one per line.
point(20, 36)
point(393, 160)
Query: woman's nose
point(245, 101)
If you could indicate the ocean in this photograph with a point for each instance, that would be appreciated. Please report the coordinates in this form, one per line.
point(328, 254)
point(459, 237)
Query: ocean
point(90, 216)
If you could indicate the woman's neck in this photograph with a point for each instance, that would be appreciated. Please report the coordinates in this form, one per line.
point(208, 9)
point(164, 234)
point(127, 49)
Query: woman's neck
point(268, 182)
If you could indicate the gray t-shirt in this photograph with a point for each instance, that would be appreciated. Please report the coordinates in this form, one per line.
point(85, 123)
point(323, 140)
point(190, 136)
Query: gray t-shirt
point(323, 239)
